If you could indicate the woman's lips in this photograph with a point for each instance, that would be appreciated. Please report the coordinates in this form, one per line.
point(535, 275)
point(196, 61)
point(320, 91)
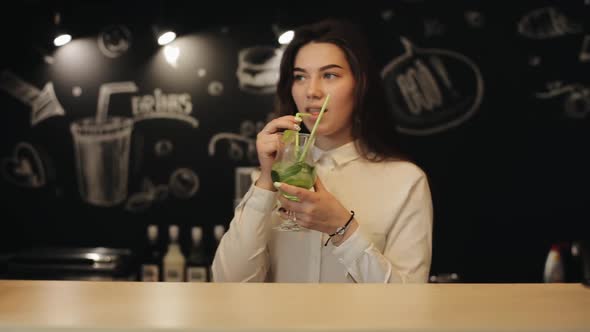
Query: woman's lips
point(314, 114)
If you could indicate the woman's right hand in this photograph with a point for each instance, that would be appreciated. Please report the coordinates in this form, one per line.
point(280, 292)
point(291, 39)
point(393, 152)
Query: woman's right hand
point(267, 145)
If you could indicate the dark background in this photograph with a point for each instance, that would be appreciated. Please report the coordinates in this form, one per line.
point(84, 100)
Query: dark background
point(507, 183)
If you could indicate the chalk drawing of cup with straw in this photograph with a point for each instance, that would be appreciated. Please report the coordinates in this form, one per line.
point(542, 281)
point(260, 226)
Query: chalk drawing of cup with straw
point(101, 146)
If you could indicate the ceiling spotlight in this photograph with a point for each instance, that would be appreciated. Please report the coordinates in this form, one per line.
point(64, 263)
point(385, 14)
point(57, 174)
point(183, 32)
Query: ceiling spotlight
point(286, 37)
point(62, 39)
point(166, 37)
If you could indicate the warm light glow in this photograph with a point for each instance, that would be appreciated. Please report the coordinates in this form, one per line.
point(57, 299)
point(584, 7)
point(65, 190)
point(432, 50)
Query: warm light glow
point(62, 40)
point(166, 38)
point(93, 256)
point(286, 37)
point(171, 54)
point(71, 63)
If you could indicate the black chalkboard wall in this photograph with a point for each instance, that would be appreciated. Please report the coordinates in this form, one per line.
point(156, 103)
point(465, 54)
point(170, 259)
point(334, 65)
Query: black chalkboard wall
point(104, 136)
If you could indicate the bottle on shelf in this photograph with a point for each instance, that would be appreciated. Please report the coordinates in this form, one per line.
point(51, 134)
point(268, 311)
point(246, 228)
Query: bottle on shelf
point(554, 269)
point(151, 258)
point(218, 232)
point(174, 260)
point(197, 262)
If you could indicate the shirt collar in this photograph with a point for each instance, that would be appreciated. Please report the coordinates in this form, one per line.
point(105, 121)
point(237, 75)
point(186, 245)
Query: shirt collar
point(341, 155)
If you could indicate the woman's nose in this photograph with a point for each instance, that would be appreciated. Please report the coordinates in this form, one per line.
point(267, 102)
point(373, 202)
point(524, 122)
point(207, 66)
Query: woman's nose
point(314, 89)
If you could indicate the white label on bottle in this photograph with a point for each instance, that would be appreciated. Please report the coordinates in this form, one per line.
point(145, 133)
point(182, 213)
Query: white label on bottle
point(149, 272)
point(196, 274)
point(173, 274)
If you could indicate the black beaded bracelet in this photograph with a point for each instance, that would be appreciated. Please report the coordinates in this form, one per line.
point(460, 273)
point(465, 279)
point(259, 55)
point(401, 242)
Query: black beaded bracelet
point(341, 230)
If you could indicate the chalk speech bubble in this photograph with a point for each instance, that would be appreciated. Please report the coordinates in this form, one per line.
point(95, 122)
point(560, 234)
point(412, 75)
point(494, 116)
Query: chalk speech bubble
point(432, 90)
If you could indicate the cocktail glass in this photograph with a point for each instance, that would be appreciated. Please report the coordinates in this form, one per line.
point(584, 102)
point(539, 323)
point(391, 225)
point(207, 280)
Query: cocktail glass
point(293, 166)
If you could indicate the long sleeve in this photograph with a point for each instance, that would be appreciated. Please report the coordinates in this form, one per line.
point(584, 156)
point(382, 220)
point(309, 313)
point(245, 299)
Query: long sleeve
point(407, 254)
point(242, 254)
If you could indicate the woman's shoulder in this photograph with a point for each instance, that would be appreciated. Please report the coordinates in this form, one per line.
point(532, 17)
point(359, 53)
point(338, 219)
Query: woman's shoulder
point(402, 169)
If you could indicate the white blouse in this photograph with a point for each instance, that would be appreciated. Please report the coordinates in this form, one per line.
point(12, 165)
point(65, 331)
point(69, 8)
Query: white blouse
point(393, 207)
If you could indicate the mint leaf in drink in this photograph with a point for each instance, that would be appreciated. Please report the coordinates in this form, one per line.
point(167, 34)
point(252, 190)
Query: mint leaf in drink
point(291, 170)
point(304, 178)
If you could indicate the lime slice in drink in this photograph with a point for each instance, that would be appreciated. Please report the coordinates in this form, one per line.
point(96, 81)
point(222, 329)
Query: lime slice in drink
point(289, 136)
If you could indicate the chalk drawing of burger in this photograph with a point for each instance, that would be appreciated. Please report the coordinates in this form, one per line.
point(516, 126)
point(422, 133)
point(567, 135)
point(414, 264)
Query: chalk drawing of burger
point(258, 69)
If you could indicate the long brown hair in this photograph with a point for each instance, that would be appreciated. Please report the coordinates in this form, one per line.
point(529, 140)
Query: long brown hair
point(373, 125)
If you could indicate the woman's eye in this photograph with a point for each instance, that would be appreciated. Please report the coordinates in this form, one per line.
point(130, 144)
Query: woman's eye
point(298, 77)
point(329, 75)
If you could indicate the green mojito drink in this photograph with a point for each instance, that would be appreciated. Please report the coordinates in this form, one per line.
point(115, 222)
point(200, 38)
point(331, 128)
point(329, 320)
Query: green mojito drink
point(299, 174)
point(290, 165)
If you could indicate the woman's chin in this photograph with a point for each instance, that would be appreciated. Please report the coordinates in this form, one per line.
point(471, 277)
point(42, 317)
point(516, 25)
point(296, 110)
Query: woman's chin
point(320, 130)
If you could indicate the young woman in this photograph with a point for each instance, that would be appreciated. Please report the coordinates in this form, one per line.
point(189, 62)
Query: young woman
point(369, 217)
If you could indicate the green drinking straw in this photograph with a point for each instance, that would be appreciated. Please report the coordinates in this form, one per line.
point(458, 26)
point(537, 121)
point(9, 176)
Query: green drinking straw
point(315, 126)
point(298, 115)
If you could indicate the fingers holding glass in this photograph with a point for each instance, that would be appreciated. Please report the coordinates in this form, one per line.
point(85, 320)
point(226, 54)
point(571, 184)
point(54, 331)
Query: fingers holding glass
point(282, 123)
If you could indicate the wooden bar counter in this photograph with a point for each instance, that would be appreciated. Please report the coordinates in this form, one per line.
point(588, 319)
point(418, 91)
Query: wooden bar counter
point(136, 306)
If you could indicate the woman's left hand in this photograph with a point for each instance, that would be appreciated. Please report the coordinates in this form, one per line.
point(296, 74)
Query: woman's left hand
point(318, 210)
